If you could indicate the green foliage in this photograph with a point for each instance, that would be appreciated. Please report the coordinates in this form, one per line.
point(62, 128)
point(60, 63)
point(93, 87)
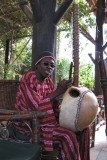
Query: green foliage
point(86, 76)
point(20, 61)
point(22, 56)
point(65, 26)
point(62, 69)
point(86, 17)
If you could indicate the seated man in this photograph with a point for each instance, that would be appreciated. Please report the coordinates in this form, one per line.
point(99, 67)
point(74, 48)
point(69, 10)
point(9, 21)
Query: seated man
point(36, 92)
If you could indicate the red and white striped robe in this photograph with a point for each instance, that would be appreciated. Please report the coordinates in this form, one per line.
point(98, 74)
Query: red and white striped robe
point(34, 95)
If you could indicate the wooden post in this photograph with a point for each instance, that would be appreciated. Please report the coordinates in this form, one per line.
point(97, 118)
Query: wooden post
point(44, 29)
point(99, 43)
point(76, 43)
point(44, 17)
point(103, 74)
point(7, 56)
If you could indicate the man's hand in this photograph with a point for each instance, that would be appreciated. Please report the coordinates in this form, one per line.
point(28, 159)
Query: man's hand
point(61, 88)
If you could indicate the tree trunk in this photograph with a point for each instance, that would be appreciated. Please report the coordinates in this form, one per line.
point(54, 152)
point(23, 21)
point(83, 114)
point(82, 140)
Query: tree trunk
point(76, 44)
point(44, 29)
point(7, 57)
point(99, 43)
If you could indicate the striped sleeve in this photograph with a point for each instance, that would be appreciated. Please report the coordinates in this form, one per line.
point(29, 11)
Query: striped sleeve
point(28, 98)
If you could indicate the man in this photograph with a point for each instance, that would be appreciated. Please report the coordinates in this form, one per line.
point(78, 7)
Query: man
point(37, 92)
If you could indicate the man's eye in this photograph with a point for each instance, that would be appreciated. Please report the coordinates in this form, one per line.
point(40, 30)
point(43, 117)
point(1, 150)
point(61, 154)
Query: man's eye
point(46, 64)
point(52, 65)
point(49, 64)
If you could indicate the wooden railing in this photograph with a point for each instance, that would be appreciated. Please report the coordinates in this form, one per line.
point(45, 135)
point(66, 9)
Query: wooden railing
point(8, 90)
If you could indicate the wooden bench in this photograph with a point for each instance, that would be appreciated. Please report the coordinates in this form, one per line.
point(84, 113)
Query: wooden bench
point(8, 90)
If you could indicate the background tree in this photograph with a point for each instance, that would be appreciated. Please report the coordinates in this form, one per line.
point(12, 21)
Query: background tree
point(86, 21)
point(86, 75)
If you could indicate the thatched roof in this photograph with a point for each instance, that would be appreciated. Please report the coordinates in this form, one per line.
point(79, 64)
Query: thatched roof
point(93, 3)
point(13, 22)
point(12, 19)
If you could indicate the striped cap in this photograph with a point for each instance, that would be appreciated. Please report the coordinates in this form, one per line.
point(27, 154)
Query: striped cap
point(45, 54)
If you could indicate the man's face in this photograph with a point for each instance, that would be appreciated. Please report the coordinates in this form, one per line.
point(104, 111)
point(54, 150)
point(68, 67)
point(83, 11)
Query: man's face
point(46, 67)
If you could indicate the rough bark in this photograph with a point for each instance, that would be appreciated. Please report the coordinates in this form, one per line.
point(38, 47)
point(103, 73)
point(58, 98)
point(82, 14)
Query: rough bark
point(99, 44)
point(76, 44)
point(45, 19)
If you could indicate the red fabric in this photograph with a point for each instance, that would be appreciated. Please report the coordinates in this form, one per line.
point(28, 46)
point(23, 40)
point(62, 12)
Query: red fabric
point(34, 95)
point(83, 138)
